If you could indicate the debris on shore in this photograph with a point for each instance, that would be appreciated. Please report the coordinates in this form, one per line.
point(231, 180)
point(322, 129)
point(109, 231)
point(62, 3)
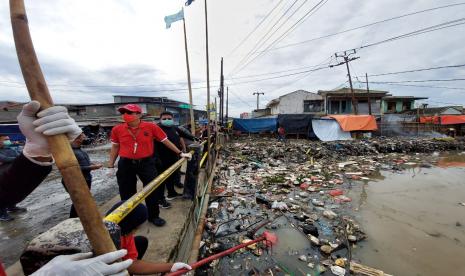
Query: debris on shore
point(300, 187)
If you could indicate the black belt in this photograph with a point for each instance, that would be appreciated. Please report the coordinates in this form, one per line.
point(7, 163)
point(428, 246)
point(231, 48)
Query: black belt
point(136, 160)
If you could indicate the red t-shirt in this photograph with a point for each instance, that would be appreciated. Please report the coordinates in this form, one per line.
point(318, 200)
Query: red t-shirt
point(144, 135)
point(128, 243)
point(2, 272)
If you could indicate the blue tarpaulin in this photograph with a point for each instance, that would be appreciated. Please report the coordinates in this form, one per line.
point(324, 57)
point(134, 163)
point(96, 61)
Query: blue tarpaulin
point(255, 125)
point(12, 131)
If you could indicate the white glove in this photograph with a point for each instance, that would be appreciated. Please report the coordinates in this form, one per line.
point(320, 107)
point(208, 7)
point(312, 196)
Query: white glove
point(36, 143)
point(56, 120)
point(179, 266)
point(81, 264)
point(186, 155)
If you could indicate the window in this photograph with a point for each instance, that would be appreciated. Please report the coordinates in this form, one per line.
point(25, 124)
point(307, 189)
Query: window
point(313, 106)
point(405, 106)
point(391, 106)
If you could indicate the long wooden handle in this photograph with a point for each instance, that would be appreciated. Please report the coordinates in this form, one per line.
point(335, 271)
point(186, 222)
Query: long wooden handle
point(60, 147)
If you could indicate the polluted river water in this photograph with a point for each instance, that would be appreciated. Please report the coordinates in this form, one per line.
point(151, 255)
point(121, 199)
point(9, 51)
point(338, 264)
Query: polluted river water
point(414, 219)
point(404, 212)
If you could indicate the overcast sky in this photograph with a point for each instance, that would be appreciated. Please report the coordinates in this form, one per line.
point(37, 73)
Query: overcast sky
point(91, 50)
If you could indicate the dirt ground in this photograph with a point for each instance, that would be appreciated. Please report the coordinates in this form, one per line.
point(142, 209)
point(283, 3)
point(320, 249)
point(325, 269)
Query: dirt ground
point(48, 205)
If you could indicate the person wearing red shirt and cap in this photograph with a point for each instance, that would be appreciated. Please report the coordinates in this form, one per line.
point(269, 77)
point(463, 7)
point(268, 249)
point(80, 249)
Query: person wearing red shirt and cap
point(132, 141)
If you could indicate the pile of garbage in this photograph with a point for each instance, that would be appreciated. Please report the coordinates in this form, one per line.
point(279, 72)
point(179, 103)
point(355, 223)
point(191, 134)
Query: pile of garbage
point(298, 190)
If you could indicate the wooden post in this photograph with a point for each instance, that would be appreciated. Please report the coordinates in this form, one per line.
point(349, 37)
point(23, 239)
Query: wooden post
point(227, 104)
point(60, 147)
point(368, 92)
point(354, 103)
point(208, 77)
point(191, 103)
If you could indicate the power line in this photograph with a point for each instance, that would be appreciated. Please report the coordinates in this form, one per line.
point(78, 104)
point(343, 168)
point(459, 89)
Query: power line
point(263, 37)
point(306, 15)
point(22, 85)
point(407, 81)
point(363, 26)
point(418, 70)
point(254, 29)
point(422, 86)
point(298, 23)
point(432, 28)
point(285, 21)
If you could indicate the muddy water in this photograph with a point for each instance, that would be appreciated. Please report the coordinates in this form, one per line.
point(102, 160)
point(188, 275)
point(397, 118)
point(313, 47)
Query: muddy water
point(48, 205)
point(414, 221)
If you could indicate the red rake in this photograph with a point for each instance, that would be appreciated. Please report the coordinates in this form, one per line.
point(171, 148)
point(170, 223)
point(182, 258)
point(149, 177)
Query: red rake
point(269, 239)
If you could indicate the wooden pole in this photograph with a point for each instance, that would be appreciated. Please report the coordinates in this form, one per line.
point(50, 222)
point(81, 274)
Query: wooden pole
point(208, 77)
point(227, 104)
point(60, 147)
point(221, 94)
point(368, 93)
point(354, 103)
point(191, 103)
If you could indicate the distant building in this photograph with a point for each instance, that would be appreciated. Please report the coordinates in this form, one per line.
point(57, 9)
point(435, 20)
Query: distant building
point(438, 111)
point(258, 113)
point(244, 115)
point(340, 101)
point(297, 102)
point(398, 104)
point(151, 106)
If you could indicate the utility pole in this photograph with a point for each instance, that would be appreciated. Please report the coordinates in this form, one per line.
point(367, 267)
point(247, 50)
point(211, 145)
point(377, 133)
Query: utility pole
point(216, 112)
point(258, 98)
point(208, 78)
point(221, 94)
point(368, 93)
point(227, 104)
point(346, 55)
point(191, 103)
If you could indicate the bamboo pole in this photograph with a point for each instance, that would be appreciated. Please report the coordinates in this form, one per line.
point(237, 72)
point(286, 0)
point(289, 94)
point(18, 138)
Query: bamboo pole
point(60, 147)
point(208, 76)
point(191, 109)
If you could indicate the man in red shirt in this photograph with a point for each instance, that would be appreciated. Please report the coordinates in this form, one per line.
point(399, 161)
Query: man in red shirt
point(132, 141)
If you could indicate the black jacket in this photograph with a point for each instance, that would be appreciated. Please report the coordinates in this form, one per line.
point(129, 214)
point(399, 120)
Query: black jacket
point(19, 179)
point(163, 155)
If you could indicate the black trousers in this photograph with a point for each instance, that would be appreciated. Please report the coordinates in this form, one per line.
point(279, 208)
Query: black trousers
point(141, 245)
point(169, 183)
point(128, 171)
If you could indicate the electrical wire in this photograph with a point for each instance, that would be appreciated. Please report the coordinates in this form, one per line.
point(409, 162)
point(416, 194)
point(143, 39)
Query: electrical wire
point(422, 86)
point(254, 29)
point(263, 37)
point(418, 70)
point(407, 81)
point(363, 26)
point(444, 25)
point(306, 15)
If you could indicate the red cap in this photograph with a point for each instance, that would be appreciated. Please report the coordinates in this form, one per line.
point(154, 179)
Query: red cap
point(130, 107)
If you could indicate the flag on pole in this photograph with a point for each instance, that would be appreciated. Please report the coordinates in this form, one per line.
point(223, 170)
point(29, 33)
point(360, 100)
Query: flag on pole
point(170, 19)
point(188, 2)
